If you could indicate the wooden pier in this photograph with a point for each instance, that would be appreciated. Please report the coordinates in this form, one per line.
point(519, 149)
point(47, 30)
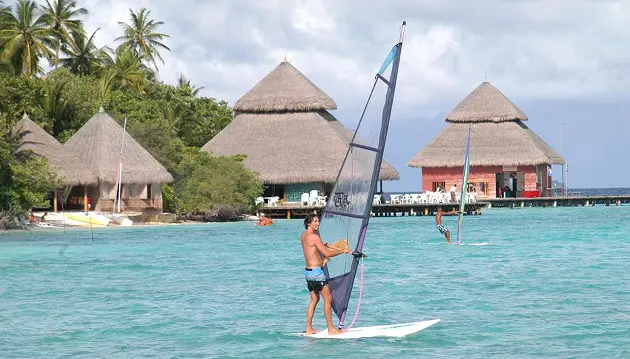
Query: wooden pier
point(560, 201)
point(378, 210)
point(290, 211)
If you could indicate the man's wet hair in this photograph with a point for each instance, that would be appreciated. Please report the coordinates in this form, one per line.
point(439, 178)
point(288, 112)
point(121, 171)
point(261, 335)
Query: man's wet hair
point(309, 218)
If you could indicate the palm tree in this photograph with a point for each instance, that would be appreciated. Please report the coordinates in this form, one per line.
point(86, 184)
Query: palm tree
point(26, 38)
point(55, 106)
point(184, 84)
point(61, 17)
point(4, 10)
point(123, 69)
point(84, 58)
point(141, 36)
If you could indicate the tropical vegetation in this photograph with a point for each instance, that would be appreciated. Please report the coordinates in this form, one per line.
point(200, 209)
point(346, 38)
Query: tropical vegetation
point(52, 68)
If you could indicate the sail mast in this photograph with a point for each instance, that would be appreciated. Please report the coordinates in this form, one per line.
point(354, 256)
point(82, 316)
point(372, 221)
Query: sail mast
point(462, 197)
point(119, 172)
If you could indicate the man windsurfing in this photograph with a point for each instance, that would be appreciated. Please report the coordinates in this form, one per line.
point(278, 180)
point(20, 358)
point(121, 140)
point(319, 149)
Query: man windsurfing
point(314, 253)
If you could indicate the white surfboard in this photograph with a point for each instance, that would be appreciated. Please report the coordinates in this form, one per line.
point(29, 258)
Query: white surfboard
point(392, 331)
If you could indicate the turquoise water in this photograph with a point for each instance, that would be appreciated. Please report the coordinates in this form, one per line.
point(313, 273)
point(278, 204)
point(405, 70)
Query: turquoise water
point(553, 282)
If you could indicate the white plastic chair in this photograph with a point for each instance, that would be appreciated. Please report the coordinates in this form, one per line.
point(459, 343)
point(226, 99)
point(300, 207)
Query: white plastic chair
point(313, 198)
point(322, 200)
point(259, 201)
point(273, 201)
point(304, 199)
point(376, 199)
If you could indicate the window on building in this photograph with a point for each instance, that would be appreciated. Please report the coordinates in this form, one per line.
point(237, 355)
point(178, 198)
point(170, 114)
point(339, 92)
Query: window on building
point(438, 184)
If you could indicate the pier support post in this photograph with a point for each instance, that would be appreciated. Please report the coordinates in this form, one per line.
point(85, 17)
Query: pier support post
point(587, 203)
point(617, 202)
point(85, 204)
point(426, 211)
point(555, 203)
point(522, 204)
point(288, 214)
point(55, 201)
point(411, 212)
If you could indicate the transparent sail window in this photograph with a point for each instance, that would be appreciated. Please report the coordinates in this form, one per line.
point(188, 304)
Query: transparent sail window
point(351, 192)
point(369, 131)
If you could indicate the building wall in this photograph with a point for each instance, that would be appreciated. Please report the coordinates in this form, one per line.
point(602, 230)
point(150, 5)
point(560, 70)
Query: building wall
point(135, 197)
point(131, 205)
point(107, 190)
point(526, 178)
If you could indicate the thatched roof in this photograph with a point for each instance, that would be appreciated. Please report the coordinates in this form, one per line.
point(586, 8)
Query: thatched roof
point(98, 144)
point(66, 164)
point(284, 89)
point(297, 147)
point(491, 144)
point(498, 135)
point(485, 104)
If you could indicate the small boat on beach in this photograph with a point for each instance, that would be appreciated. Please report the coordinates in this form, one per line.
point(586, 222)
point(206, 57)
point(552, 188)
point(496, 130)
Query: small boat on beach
point(120, 220)
point(91, 218)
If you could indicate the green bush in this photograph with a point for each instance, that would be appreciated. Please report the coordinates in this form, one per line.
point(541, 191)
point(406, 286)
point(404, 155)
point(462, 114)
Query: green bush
point(220, 186)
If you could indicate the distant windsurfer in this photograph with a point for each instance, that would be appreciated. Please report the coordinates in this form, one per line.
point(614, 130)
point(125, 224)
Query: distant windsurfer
point(314, 253)
point(440, 226)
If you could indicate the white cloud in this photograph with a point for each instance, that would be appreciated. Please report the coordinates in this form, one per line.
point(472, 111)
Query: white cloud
point(533, 49)
point(312, 18)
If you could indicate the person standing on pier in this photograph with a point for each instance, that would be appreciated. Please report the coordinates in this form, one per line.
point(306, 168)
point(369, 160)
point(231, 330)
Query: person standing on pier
point(453, 190)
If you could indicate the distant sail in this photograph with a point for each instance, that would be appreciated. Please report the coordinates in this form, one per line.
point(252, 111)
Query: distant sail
point(462, 197)
point(347, 210)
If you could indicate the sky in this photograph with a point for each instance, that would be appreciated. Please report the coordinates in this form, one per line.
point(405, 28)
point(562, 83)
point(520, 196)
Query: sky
point(563, 62)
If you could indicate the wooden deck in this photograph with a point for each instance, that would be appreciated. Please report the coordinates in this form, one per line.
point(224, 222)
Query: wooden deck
point(568, 201)
point(290, 211)
point(393, 210)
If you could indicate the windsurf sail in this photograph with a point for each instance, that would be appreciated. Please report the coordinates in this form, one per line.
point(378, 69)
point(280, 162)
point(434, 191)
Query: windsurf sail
point(348, 208)
point(462, 197)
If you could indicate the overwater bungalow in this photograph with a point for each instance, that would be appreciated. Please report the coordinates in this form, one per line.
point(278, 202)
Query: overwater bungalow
point(506, 157)
point(97, 144)
point(284, 128)
point(70, 169)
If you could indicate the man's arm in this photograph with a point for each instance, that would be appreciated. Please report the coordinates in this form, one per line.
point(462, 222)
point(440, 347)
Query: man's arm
point(317, 241)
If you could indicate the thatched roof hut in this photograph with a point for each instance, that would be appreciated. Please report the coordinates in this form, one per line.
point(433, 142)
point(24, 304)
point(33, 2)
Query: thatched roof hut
point(67, 165)
point(498, 135)
point(284, 129)
point(98, 144)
